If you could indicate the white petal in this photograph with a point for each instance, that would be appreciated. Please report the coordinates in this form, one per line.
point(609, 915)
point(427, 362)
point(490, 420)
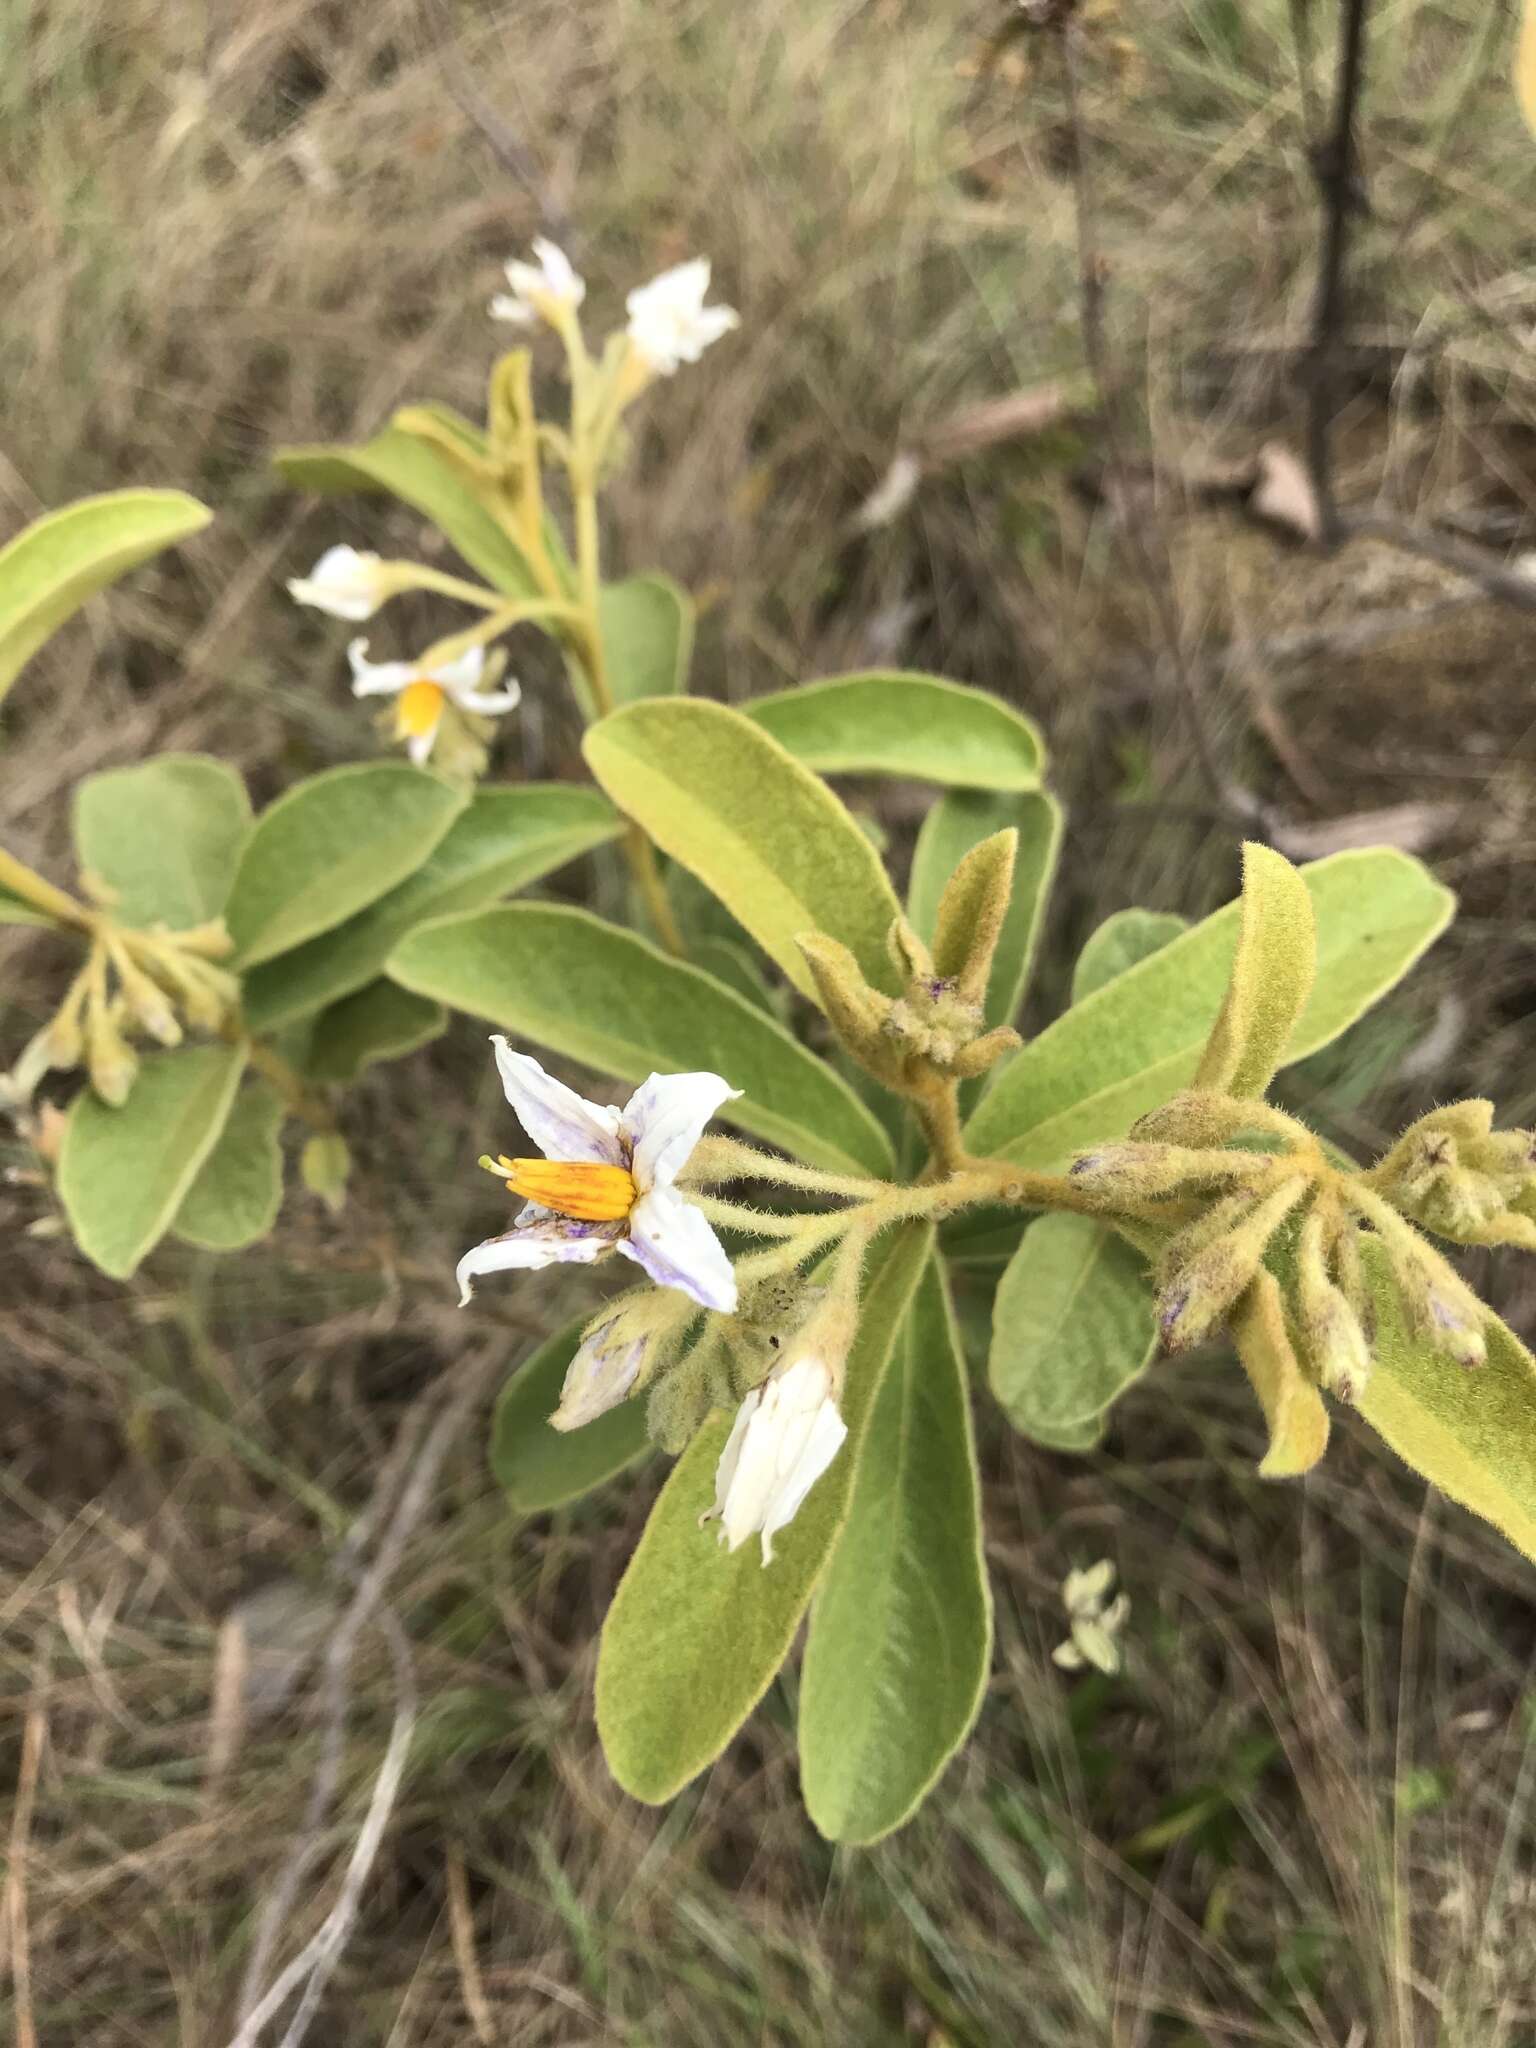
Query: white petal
point(343, 582)
point(812, 1457)
point(730, 1459)
point(678, 290)
point(556, 1242)
point(419, 745)
point(598, 1378)
point(378, 678)
point(1068, 1656)
point(563, 1124)
point(489, 702)
point(462, 673)
point(559, 279)
point(505, 307)
point(664, 1119)
point(674, 1243)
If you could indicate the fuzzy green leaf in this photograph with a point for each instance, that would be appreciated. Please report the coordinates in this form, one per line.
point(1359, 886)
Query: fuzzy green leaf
point(1122, 941)
point(1293, 1408)
point(609, 999)
point(767, 836)
point(901, 1630)
point(329, 847)
point(543, 1468)
point(379, 1022)
point(50, 568)
point(695, 1635)
point(962, 819)
point(402, 466)
point(1072, 1327)
point(239, 1187)
point(1273, 972)
point(166, 836)
point(647, 626)
point(124, 1173)
point(1473, 1433)
point(504, 840)
point(898, 722)
point(1123, 1051)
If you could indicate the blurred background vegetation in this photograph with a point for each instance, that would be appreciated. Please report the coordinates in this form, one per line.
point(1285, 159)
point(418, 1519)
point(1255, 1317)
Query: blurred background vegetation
point(1303, 1814)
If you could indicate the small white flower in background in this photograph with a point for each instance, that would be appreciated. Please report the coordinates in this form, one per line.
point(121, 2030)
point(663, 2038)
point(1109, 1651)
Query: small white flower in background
point(606, 1183)
point(1094, 1619)
point(669, 322)
point(423, 694)
point(787, 1432)
point(539, 289)
point(345, 583)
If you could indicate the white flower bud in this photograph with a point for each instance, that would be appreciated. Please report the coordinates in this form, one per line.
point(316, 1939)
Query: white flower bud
point(345, 583)
point(786, 1434)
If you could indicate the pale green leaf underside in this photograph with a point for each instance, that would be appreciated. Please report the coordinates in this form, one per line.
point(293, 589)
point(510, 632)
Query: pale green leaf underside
point(1121, 942)
point(647, 627)
point(901, 1629)
point(755, 825)
point(1072, 1328)
point(504, 840)
point(331, 846)
point(899, 722)
point(50, 568)
point(404, 467)
point(166, 836)
point(239, 1188)
point(1472, 1432)
point(607, 998)
point(961, 819)
point(695, 1634)
point(123, 1173)
point(379, 1022)
point(540, 1467)
point(1123, 1051)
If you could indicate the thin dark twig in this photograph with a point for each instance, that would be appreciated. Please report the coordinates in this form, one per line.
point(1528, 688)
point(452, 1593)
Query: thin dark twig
point(1232, 802)
point(1335, 167)
point(503, 141)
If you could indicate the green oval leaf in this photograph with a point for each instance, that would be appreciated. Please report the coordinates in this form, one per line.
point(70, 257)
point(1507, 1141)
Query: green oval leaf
point(768, 837)
point(330, 846)
point(379, 1022)
point(540, 1467)
point(898, 722)
point(901, 1630)
point(238, 1191)
point(166, 836)
point(1121, 942)
point(609, 999)
point(52, 566)
point(1123, 1051)
point(123, 1173)
point(961, 819)
point(400, 465)
point(1472, 1433)
point(695, 1634)
point(504, 840)
point(1072, 1328)
point(1273, 971)
point(647, 628)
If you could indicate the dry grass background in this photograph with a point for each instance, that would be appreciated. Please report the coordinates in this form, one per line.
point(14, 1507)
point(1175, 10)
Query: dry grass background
point(1304, 1815)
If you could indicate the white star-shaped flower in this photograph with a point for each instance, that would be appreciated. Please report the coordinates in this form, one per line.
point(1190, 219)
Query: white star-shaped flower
point(605, 1183)
point(539, 289)
point(670, 324)
point(423, 694)
point(344, 582)
point(787, 1432)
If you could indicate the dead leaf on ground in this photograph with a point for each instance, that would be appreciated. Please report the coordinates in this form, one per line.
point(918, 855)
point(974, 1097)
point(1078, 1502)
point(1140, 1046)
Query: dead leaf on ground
point(1410, 827)
point(1283, 496)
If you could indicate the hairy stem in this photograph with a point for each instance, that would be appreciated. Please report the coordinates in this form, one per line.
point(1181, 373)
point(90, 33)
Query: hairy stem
point(31, 887)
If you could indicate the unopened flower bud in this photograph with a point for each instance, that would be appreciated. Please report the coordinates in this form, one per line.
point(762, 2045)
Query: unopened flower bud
point(1197, 1296)
point(1441, 1307)
point(787, 1432)
point(972, 912)
point(1141, 1172)
point(109, 1058)
point(982, 1054)
point(1333, 1335)
point(857, 1013)
point(325, 1166)
point(602, 1373)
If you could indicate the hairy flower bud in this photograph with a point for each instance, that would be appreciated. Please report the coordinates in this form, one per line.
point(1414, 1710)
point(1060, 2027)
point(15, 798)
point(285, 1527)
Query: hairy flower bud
point(1197, 1296)
point(325, 1166)
point(972, 912)
point(1129, 1171)
point(1331, 1331)
point(857, 1013)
